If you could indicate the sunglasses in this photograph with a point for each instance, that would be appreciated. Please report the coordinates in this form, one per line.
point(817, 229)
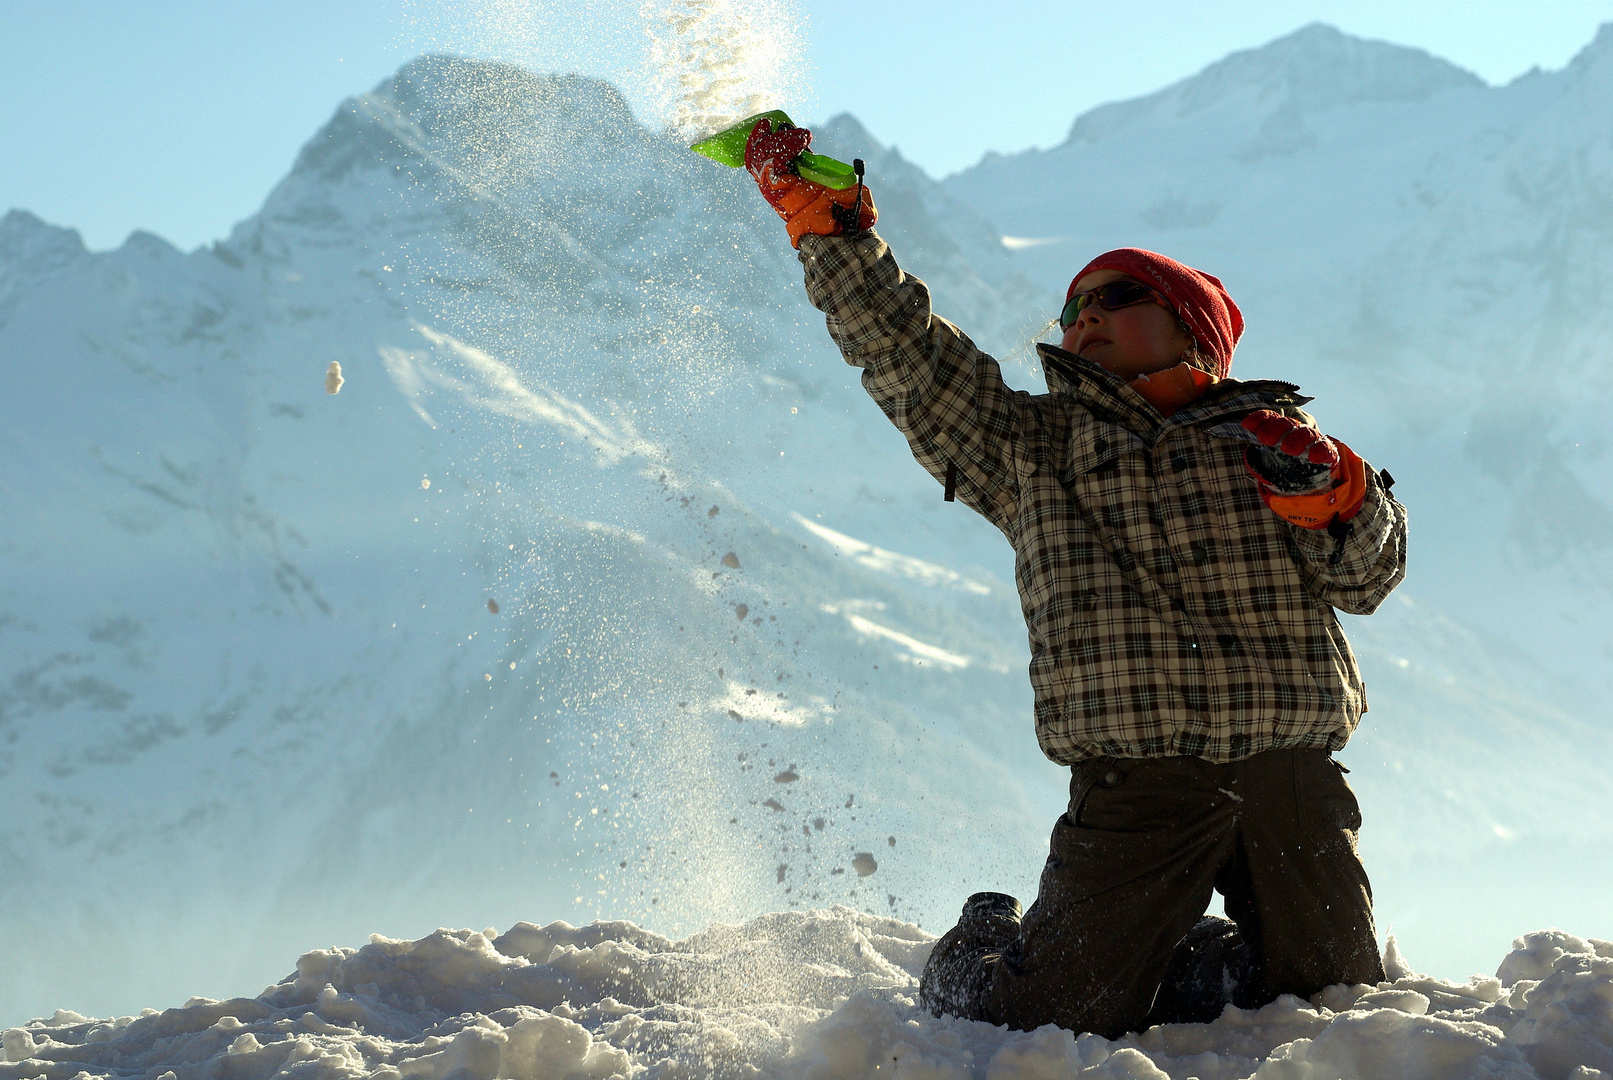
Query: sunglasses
point(1110, 297)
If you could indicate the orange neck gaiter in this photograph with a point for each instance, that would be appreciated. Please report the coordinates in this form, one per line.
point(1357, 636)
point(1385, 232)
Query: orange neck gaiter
point(1174, 387)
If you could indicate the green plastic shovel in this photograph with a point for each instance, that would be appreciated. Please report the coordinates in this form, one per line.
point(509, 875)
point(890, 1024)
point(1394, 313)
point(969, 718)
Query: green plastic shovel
point(727, 147)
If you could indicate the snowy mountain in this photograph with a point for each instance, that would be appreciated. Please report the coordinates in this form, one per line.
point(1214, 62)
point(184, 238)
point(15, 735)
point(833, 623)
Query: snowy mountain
point(601, 590)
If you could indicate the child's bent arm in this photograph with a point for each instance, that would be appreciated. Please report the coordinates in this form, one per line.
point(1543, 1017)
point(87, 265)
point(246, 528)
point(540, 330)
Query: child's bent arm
point(943, 393)
point(1355, 566)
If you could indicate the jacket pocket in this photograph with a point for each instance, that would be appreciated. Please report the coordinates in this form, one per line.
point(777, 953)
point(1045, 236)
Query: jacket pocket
point(1132, 795)
point(1095, 447)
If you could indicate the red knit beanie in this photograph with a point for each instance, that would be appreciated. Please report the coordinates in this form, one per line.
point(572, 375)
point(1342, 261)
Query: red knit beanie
point(1197, 298)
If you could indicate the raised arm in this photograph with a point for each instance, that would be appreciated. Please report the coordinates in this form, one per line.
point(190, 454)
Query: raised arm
point(944, 394)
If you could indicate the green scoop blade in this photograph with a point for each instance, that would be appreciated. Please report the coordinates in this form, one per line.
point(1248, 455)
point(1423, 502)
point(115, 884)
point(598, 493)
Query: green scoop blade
point(727, 147)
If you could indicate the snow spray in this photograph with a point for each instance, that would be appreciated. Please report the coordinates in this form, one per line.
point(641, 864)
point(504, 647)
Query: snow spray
point(603, 345)
point(690, 67)
point(713, 62)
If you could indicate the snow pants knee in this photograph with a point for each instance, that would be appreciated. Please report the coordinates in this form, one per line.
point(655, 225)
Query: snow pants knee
point(1131, 867)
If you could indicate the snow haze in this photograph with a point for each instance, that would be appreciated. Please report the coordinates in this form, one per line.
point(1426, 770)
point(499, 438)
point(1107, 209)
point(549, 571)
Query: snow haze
point(601, 593)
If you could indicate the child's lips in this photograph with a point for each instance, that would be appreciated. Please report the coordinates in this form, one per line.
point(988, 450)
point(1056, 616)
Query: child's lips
point(1091, 342)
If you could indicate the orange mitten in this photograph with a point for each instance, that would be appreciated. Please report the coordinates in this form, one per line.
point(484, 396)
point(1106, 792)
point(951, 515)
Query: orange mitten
point(1304, 476)
point(1319, 509)
point(805, 207)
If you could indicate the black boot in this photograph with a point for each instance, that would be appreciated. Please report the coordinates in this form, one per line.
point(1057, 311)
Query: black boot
point(959, 970)
point(1208, 968)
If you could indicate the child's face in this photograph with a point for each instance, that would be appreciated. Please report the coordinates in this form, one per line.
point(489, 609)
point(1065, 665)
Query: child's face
point(1131, 341)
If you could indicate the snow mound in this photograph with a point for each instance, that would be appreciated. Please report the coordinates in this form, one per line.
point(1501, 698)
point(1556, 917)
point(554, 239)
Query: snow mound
point(820, 995)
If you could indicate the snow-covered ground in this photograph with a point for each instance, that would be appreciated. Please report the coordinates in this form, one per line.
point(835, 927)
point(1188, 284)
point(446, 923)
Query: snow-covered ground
point(818, 995)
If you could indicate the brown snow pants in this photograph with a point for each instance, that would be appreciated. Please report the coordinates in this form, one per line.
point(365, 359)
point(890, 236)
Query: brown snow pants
point(1130, 870)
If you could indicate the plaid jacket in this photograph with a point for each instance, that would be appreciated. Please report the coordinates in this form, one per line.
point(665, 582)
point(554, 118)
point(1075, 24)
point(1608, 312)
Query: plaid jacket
point(1169, 611)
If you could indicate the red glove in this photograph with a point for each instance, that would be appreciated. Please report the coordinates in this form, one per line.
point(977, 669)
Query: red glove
point(1304, 476)
point(805, 207)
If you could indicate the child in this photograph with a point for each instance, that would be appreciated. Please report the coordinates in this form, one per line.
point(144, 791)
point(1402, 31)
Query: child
point(1181, 540)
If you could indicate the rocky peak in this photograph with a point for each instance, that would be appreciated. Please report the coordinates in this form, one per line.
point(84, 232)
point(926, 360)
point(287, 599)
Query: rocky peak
point(484, 116)
point(32, 251)
point(1315, 68)
point(451, 96)
point(1319, 66)
point(848, 133)
point(1590, 73)
point(26, 242)
point(1599, 51)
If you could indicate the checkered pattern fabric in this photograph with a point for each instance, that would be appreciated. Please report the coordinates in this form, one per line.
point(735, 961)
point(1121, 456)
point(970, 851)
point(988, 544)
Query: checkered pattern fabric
point(1169, 611)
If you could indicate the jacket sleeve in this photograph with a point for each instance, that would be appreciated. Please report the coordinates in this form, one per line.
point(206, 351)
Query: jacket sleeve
point(944, 394)
point(1356, 573)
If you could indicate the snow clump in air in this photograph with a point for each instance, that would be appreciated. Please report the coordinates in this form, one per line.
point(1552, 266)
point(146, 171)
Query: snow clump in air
point(712, 63)
point(826, 995)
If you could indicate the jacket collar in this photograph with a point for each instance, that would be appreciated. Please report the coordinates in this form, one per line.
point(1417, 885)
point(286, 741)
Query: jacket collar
point(1067, 373)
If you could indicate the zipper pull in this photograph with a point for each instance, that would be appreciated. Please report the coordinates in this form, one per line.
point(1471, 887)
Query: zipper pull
point(1340, 532)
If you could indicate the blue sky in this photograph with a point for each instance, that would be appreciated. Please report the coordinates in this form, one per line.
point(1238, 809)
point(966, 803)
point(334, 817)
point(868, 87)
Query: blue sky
point(177, 116)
